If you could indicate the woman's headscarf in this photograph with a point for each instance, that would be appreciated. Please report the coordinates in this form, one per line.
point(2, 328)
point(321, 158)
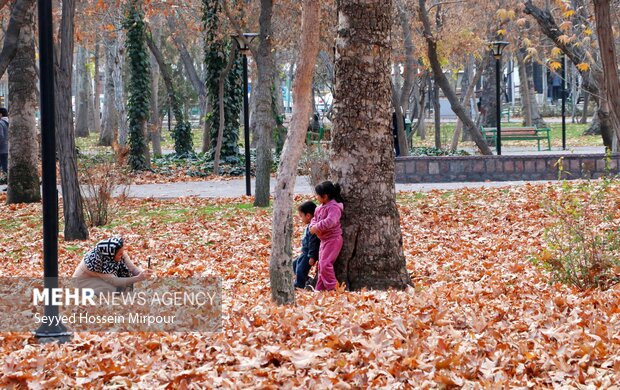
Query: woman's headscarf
point(101, 257)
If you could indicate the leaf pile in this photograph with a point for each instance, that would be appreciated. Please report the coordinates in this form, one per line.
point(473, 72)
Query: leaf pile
point(480, 315)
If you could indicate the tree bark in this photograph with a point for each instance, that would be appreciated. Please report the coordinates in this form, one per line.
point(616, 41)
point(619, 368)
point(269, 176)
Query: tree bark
point(154, 125)
point(221, 111)
point(437, 114)
point(265, 121)
point(118, 59)
point(110, 116)
point(487, 99)
point(23, 180)
point(586, 103)
point(537, 119)
point(526, 97)
point(82, 95)
point(19, 17)
point(362, 154)
point(75, 225)
point(444, 84)
point(280, 269)
point(97, 92)
point(608, 58)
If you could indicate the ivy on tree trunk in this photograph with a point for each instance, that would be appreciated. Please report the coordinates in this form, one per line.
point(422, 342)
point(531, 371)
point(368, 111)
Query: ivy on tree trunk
point(217, 51)
point(139, 87)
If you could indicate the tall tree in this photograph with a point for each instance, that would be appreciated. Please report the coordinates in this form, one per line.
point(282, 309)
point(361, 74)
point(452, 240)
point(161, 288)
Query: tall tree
point(23, 181)
point(265, 120)
point(82, 101)
point(217, 50)
point(280, 270)
point(110, 115)
point(444, 84)
point(154, 119)
point(362, 153)
point(611, 82)
point(75, 225)
point(139, 86)
point(98, 89)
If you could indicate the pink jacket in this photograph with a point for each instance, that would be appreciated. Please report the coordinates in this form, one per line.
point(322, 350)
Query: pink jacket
point(327, 220)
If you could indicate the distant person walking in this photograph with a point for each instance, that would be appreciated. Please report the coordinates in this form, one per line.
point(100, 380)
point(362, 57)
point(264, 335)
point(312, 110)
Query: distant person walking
point(4, 140)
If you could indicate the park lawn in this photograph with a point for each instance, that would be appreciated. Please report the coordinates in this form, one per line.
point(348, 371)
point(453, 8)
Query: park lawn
point(574, 137)
point(89, 144)
point(480, 314)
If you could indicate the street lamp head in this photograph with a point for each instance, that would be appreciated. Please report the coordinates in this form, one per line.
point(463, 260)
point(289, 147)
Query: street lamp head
point(497, 48)
point(243, 42)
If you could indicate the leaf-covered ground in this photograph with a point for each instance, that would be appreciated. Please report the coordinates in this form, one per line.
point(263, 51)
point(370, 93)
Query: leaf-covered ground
point(481, 314)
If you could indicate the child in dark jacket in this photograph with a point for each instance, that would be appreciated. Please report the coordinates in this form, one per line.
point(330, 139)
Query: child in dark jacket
point(309, 246)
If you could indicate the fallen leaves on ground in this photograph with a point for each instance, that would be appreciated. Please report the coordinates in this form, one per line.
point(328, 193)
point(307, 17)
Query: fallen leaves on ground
point(481, 313)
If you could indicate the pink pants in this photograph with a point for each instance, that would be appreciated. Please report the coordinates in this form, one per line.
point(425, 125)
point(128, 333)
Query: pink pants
point(328, 253)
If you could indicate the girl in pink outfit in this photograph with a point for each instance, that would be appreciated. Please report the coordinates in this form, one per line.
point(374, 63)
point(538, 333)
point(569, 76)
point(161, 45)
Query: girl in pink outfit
point(326, 225)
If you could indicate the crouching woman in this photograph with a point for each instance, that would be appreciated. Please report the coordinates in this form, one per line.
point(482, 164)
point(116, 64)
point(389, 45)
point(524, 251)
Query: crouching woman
point(106, 268)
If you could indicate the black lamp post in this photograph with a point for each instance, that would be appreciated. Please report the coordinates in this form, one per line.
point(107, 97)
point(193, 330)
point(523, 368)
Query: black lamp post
point(48, 332)
point(243, 45)
point(498, 48)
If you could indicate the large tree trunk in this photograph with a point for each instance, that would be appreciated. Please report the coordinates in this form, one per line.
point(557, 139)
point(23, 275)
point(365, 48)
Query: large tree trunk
point(280, 270)
point(97, 92)
point(23, 181)
point(20, 14)
point(75, 225)
point(110, 115)
point(610, 68)
point(265, 121)
point(363, 157)
point(444, 84)
point(83, 93)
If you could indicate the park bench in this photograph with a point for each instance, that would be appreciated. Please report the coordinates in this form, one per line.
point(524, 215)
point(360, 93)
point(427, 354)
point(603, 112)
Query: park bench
point(506, 113)
point(518, 133)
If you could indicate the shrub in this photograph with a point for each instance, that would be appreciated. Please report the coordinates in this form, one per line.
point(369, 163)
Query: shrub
point(101, 180)
point(583, 242)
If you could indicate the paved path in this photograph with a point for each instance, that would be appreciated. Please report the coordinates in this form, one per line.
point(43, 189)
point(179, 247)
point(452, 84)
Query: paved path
point(236, 188)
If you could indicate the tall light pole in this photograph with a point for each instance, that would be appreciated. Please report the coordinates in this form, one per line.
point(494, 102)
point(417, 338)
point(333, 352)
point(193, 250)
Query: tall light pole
point(49, 332)
point(498, 48)
point(243, 45)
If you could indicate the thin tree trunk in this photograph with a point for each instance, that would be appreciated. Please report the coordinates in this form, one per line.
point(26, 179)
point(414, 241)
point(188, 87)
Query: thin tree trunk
point(23, 180)
point(537, 119)
point(444, 84)
point(526, 97)
point(82, 95)
point(586, 103)
point(363, 158)
point(110, 115)
point(222, 121)
point(466, 101)
point(98, 89)
point(265, 122)
point(437, 114)
point(280, 270)
point(119, 88)
point(488, 97)
point(75, 225)
point(154, 125)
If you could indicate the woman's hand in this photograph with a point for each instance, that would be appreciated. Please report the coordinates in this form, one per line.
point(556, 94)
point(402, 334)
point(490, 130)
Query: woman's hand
point(145, 274)
point(311, 262)
point(314, 230)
